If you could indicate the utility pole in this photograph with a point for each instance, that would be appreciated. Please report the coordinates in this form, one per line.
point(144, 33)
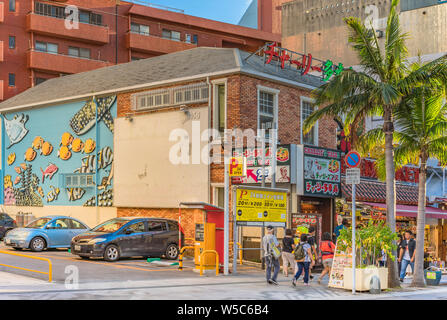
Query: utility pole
point(226, 202)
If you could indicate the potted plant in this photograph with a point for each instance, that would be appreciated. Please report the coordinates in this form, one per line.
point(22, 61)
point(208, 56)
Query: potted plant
point(370, 241)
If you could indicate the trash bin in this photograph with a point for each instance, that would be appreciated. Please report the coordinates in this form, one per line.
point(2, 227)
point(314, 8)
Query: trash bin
point(432, 277)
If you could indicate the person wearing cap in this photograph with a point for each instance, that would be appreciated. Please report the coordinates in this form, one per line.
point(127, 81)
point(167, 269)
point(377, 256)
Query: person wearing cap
point(270, 245)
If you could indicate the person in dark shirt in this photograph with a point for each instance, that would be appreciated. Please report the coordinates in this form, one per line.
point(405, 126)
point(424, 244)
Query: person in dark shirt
point(343, 225)
point(288, 258)
point(313, 244)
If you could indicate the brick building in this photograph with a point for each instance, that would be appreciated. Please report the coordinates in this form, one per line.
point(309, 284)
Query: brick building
point(35, 43)
point(161, 108)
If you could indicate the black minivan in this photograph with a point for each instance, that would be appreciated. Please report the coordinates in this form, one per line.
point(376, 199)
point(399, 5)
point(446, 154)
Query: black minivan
point(6, 224)
point(129, 237)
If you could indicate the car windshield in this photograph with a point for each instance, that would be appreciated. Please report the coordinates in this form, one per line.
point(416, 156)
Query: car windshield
point(110, 226)
point(39, 223)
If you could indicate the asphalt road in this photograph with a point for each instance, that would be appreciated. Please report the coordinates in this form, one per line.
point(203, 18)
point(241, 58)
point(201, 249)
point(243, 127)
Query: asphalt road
point(96, 270)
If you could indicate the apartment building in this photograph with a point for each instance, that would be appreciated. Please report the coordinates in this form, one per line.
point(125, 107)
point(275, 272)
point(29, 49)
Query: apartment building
point(37, 42)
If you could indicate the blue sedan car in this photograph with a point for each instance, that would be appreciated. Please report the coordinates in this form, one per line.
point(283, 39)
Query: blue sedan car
point(45, 232)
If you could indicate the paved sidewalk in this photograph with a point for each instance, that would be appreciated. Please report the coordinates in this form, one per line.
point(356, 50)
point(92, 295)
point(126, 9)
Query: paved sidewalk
point(238, 287)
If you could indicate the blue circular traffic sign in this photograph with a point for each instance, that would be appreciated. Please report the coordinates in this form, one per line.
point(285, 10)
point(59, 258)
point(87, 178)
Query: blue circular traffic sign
point(352, 159)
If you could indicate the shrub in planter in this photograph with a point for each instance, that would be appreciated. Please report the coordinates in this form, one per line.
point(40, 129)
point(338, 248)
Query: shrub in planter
point(370, 241)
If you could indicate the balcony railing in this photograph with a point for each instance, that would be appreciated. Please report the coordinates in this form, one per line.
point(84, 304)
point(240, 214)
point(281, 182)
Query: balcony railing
point(61, 63)
point(49, 25)
point(149, 43)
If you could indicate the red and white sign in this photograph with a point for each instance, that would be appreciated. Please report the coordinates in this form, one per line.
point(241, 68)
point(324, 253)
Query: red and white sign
point(353, 159)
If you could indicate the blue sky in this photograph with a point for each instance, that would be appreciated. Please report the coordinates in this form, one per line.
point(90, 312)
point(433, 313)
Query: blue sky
point(229, 11)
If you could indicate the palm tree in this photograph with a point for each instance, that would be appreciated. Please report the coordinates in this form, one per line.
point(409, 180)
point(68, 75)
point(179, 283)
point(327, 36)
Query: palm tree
point(421, 133)
point(376, 89)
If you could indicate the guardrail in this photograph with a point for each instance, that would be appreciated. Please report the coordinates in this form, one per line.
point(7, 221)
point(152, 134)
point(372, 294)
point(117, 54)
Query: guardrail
point(180, 257)
point(202, 255)
point(50, 265)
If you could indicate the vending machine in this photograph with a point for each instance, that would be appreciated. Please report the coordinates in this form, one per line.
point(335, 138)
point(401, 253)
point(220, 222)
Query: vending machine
point(205, 239)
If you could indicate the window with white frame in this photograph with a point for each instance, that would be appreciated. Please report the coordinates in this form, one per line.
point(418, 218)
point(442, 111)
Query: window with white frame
point(139, 28)
point(188, 94)
point(307, 108)
point(267, 109)
point(220, 101)
point(219, 196)
point(76, 180)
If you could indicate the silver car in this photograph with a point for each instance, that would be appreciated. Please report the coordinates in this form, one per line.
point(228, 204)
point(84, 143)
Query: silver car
point(45, 232)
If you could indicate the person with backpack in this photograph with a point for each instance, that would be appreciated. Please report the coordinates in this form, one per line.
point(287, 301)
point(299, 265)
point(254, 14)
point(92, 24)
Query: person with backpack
point(272, 253)
point(303, 258)
point(327, 248)
point(311, 240)
point(288, 244)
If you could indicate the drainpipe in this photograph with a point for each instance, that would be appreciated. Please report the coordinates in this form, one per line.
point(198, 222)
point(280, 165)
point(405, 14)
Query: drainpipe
point(96, 159)
point(209, 127)
point(116, 32)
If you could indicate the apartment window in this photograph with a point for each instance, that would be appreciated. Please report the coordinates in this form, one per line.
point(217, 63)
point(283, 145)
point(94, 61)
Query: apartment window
point(219, 109)
point(12, 5)
point(139, 28)
point(12, 42)
point(195, 39)
point(47, 47)
point(96, 19)
point(46, 9)
point(171, 35)
point(189, 38)
point(219, 196)
point(79, 52)
point(267, 109)
point(135, 58)
point(12, 80)
point(307, 108)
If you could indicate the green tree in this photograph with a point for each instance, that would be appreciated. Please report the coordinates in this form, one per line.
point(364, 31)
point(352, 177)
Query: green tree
point(377, 88)
point(420, 134)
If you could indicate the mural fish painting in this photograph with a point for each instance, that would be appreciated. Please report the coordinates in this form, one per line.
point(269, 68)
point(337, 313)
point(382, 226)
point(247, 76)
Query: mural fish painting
point(64, 153)
point(75, 193)
point(17, 180)
point(105, 199)
point(11, 158)
point(66, 139)
point(23, 166)
point(18, 169)
point(15, 128)
point(46, 149)
point(86, 117)
point(7, 181)
point(105, 157)
point(40, 191)
point(50, 170)
point(106, 181)
point(30, 154)
point(77, 145)
point(90, 146)
point(88, 165)
point(37, 143)
point(53, 194)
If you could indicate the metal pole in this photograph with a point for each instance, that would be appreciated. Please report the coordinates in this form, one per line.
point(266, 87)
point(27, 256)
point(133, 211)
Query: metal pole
point(227, 207)
point(273, 164)
point(353, 238)
point(235, 234)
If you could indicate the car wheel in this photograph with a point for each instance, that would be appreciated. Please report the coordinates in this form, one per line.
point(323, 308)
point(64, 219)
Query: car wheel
point(112, 253)
point(85, 258)
point(172, 252)
point(37, 244)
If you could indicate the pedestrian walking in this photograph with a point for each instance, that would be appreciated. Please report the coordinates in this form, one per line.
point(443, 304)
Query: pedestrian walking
point(304, 259)
point(382, 259)
point(271, 255)
point(327, 248)
point(399, 246)
point(288, 245)
point(311, 240)
point(407, 254)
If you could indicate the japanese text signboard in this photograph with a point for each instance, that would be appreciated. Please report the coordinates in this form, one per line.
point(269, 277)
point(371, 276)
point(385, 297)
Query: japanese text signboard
point(261, 205)
point(253, 163)
point(322, 169)
point(302, 62)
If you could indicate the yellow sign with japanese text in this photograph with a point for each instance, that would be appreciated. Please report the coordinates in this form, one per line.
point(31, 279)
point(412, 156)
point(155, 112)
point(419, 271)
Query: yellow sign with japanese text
point(237, 167)
point(261, 205)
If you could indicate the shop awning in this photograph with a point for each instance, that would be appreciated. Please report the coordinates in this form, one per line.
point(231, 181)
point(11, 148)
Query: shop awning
point(412, 211)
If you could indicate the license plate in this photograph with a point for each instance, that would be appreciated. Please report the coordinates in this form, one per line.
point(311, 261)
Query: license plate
point(8, 241)
point(78, 248)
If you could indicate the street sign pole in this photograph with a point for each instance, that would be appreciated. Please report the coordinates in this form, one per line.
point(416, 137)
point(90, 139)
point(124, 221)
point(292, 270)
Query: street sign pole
point(226, 205)
point(235, 233)
point(353, 238)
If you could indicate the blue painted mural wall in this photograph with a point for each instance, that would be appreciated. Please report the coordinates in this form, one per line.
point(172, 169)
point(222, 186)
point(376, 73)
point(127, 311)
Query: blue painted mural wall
point(42, 145)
